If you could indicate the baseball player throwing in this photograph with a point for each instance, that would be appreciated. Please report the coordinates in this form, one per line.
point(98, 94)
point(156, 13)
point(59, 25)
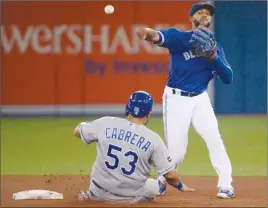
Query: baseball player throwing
point(195, 58)
point(126, 150)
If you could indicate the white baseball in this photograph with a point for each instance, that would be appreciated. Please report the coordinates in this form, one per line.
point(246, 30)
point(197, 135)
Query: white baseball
point(109, 9)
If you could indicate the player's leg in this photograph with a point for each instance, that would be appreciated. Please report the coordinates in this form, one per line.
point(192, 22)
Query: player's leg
point(87, 195)
point(96, 193)
point(177, 114)
point(206, 125)
point(148, 191)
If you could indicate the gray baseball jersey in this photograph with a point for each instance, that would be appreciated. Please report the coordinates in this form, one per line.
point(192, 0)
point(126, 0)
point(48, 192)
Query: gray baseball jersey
point(125, 154)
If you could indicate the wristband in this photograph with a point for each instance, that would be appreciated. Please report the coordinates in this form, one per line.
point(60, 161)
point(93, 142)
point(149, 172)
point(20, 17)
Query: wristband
point(180, 185)
point(160, 41)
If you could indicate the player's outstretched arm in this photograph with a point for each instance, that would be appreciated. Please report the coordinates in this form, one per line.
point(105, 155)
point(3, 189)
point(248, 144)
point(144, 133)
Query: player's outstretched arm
point(148, 34)
point(168, 38)
point(173, 179)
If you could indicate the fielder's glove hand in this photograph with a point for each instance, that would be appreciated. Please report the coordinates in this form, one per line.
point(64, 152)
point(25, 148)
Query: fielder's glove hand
point(202, 42)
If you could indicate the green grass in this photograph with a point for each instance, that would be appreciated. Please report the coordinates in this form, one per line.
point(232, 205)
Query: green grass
point(47, 146)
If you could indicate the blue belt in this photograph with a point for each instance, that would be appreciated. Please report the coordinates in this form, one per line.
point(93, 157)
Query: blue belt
point(184, 93)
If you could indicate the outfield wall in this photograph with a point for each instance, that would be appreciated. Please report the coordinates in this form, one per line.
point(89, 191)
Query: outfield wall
point(241, 26)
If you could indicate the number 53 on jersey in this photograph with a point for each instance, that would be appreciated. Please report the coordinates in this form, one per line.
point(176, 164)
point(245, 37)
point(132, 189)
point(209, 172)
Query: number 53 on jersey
point(115, 152)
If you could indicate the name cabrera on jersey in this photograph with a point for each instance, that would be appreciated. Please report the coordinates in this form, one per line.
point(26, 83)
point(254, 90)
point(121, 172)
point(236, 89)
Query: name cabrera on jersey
point(125, 154)
point(187, 71)
point(128, 136)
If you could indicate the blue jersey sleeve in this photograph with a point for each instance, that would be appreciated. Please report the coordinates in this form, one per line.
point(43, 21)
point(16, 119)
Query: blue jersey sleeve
point(222, 67)
point(222, 56)
point(168, 38)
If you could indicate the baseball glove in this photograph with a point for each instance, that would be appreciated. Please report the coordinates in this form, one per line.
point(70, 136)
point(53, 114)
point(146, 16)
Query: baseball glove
point(202, 42)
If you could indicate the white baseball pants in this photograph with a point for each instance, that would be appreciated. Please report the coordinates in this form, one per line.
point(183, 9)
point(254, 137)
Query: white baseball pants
point(179, 112)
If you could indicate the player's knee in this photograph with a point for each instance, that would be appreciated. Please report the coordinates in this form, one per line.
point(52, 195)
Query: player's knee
point(152, 188)
point(210, 131)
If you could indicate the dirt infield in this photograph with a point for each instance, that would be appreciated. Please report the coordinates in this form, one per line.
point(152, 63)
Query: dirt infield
point(250, 191)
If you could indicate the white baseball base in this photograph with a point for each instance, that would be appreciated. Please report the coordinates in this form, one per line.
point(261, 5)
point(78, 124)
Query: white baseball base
point(37, 194)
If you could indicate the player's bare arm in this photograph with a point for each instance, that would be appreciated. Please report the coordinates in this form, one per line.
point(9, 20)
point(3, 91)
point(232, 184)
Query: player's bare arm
point(173, 179)
point(148, 34)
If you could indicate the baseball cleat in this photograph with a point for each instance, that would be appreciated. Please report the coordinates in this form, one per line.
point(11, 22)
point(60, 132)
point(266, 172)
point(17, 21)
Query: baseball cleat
point(162, 188)
point(82, 196)
point(226, 193)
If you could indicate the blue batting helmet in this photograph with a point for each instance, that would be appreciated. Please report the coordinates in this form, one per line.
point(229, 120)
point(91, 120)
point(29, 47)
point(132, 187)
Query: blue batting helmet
point(201, 5)
point(140, 104)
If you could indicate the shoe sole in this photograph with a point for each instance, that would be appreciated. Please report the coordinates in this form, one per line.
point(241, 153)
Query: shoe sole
point(224, 196)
